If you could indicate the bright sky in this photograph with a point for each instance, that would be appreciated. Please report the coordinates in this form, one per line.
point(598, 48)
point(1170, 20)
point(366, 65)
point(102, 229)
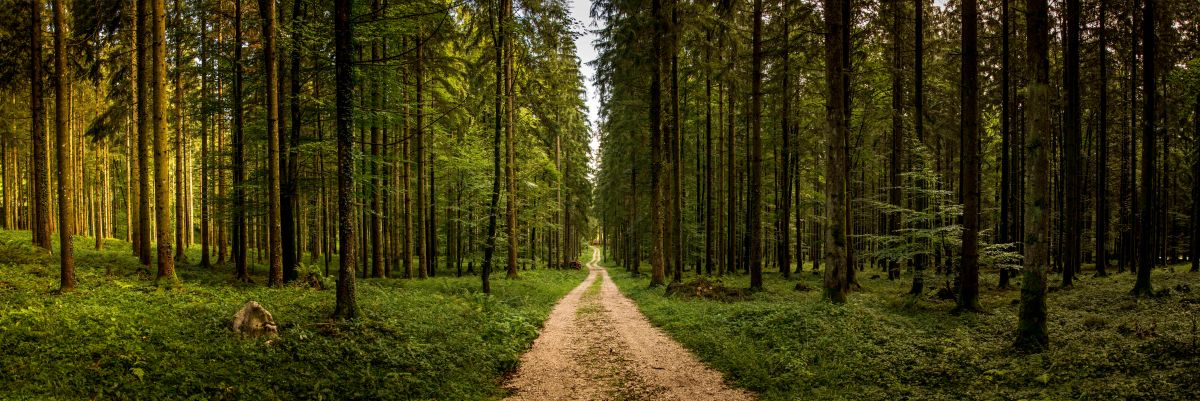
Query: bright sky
point(580, 10)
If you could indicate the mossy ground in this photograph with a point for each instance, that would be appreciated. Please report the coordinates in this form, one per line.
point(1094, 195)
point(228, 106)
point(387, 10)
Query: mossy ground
point(881, 345)
point(120, 336)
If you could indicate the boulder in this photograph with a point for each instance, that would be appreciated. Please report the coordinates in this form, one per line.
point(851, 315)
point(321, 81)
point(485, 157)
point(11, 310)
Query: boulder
point(254, 321)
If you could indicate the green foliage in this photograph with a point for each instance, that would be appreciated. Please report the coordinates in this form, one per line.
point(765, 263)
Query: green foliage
point(789, 345)
point(120, 337)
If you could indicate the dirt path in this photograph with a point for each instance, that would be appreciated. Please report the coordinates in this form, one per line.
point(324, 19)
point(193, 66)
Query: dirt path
point(596, 345)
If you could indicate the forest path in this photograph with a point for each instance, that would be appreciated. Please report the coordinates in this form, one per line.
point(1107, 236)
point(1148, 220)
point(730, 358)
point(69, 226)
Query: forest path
point(596, 345)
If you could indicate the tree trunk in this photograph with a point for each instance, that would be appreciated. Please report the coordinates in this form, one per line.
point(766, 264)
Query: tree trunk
point(969, 274)
point(1149, 160)
point(289, 162)
point(897, 138)
point(41, 169)
point(493, 207)
point(1071, 165)
point(275, 244)
point(422, 239)
point(181, 226)
point(754, 224)
point(657, 277)
point(239, 154)
point(837, 202)
point(1031, 327)
point(1102, 152)
point(376, 188)
point(66, 190)
point(510, 142)
point(785, 164)
point(162, 193)
point(921, 258)
point(347, 306)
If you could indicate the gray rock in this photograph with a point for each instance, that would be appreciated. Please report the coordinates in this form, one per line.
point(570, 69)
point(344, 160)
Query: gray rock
point(254, 321)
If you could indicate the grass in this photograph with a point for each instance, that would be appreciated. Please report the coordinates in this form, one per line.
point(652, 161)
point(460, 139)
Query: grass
point(789, 345)
point(119, 336)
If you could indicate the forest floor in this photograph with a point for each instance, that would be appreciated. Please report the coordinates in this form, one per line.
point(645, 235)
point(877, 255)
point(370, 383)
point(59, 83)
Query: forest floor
point(119, 336)
point(786, 344)
point(597, 346)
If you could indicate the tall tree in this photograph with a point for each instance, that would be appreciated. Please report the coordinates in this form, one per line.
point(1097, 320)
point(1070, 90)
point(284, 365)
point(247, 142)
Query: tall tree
point(239, 153)
point(66, 191)
point(288, 157)
point(1072, 166)
point(657, 265)
point(837, 166)
point(162, 193)
point(1007, 232)
point(145, 126)
point(347, 305)
point(1148, 224)
point(968, 299)
point(1195, 244)
point(1031, 327)
point(510, 168)
point(920, 260)
point(897, 142)
point(271, 66)
point(755, 222)
point(494, 206)
point(181, 226)
point(1102, 151)
point(41, 170)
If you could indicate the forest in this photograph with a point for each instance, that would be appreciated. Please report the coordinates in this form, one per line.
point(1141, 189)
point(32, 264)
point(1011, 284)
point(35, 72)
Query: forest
point(600, 199)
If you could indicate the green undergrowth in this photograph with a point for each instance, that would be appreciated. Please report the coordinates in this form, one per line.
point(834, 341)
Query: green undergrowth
point(120, 336)
point(790, 345)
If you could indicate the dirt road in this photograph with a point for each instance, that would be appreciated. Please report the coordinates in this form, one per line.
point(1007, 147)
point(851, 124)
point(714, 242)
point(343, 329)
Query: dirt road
point(596, 345)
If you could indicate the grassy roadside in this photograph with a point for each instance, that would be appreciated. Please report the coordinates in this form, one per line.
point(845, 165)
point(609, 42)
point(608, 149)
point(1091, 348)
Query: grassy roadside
point(121, 337)
point(786, 344)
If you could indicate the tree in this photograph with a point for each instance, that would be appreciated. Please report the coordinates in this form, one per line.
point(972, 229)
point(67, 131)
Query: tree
point(41, 171)
point(1102, 213)
point(755, 222)
point(271, 66)
point(968, 299)
point(510, 171)
point(162, 193)
point(1031, 326)
point(1195, 244)
point(145, 126)
point(1148, 224)
point(919, 261)
point(837, 167)
point(897, 141)
point(657, 235)
point(1071, 171)
point(66, 191)
point(347, 305)
point(1007, 232)
point(239, 153)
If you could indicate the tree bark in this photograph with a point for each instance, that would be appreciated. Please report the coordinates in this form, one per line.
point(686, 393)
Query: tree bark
point(271, 67)
point(1102, 213)
point(1072, 171)
point(347, 305)
point(66, 190)
point(239, 239)
point(754, 224)
point(162, 193)
point(969, 275)
point(837, 202)
point(1031, 326)
point(41, 169)
point(1148, 224)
